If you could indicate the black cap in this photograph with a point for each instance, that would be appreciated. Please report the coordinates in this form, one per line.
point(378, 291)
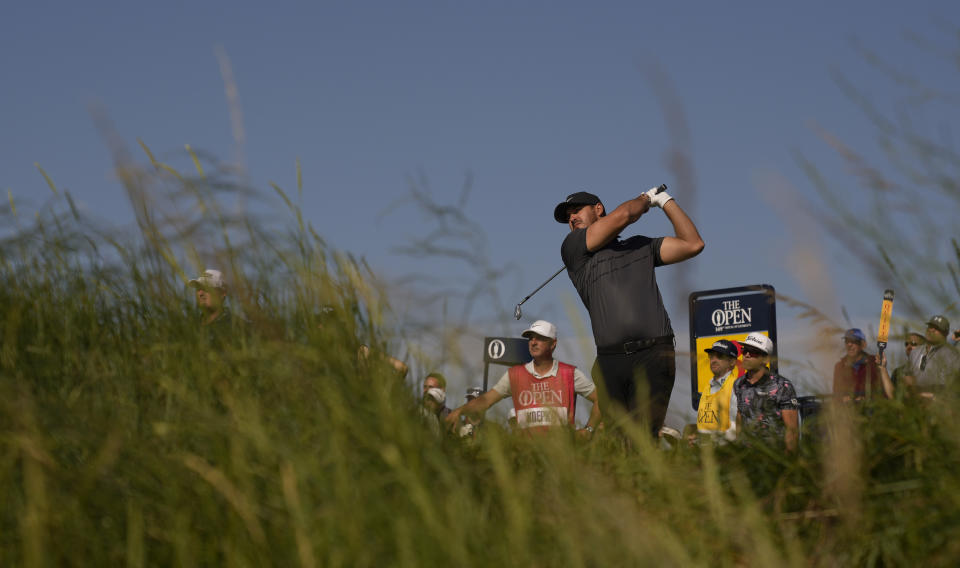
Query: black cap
point(724, 347)
point(940, 324)
point(578, 198)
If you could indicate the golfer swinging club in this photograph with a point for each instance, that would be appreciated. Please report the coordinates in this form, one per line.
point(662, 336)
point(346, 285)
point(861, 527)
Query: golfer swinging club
point(616, 281)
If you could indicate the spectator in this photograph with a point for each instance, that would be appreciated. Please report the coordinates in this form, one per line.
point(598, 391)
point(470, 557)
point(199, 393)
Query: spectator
point(219, 325)
point(717, 410)
point(618, 286)
point(364, 352)
point(767, 405)
point(432, 404)
point(935, 364)
point(856, 376)
point(328, 314)
point(211, 294)
point(471, 424)
point(912, 341)
point(437, 381)
point(544, 390)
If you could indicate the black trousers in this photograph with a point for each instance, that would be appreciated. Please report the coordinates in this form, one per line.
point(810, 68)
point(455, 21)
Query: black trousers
point(639, 383)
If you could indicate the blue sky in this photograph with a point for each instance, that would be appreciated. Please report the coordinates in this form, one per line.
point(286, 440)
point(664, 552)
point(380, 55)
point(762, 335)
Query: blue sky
point(536, 99)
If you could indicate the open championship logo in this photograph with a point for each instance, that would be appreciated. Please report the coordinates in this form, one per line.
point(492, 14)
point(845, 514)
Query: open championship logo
point(496, 349)
point(731, 316)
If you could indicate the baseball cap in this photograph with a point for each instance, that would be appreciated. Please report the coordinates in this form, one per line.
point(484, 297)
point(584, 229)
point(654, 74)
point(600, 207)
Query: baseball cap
point(940, 324)
point(855, 334)
point(541, 327)
point(723, 347)
point(578, 198)
point(209, 279)
point(759, 341)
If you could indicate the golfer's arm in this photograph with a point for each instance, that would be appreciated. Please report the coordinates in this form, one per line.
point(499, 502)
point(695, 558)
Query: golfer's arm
point(687, 243)
point(604, 229)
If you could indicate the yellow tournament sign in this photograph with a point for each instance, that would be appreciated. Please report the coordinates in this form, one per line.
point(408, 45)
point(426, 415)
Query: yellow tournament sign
point(732, 314)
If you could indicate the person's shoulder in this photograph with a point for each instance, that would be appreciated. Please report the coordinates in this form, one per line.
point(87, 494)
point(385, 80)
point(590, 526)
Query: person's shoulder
point(574, 234)
point(575, 239)
point(574, 251)
point(781, 380)
point(951, 353)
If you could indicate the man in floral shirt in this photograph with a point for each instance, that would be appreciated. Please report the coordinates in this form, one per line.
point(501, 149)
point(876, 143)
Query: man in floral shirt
point(767, 404)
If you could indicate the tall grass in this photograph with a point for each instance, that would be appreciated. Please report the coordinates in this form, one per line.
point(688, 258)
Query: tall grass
point(127, 436)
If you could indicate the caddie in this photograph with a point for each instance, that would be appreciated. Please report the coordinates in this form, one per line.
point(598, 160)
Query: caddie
point(543, 390)
point(717, 409)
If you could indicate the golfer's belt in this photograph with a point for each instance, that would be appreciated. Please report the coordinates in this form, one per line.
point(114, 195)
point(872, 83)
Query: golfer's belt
point(634, 345)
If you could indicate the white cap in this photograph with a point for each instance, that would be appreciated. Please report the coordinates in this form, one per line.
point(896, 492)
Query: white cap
point(760, 341)
point(541, 327)
point(209, 279)
point(437, 395)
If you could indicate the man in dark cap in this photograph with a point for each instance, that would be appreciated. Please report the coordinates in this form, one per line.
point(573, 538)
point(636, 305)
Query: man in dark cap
point(616, 281)
point(935, 365)
point(716, 416)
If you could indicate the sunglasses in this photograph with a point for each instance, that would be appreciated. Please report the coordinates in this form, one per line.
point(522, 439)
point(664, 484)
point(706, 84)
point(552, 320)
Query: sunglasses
point(911, 343)
point(752, 351)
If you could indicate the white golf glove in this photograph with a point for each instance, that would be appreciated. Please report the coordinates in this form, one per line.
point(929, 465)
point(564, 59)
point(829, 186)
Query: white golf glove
point(657, 199)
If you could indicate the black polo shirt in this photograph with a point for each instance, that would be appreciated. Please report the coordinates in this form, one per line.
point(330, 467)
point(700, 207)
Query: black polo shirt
point(618, 287)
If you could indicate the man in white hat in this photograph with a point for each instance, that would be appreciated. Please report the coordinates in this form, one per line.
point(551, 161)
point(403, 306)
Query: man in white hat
point(767, 404)
point(544, 390)
point(211, 292)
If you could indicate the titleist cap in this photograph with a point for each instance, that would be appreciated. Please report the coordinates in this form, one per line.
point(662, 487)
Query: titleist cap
point(759, 341)
point(724, 347)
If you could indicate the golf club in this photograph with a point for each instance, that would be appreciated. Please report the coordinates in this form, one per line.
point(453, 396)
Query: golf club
point(518, 313)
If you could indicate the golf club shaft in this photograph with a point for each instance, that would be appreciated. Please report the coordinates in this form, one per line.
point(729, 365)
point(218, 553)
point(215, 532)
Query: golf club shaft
point(555, 274)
